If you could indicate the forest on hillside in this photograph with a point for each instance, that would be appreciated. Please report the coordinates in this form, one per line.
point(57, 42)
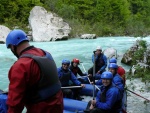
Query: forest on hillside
point(102, 17)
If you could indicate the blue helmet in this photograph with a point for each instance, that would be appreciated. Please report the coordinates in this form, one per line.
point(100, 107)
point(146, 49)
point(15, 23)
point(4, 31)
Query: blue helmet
point(112, 60)
point(65, 61)
point(113, 65)
point(107, 75)
point(15, 37)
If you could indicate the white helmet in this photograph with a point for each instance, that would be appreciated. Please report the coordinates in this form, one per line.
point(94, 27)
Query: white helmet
point(98, 48)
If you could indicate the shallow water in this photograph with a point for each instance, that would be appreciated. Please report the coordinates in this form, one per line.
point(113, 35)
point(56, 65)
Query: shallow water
point(81, 49)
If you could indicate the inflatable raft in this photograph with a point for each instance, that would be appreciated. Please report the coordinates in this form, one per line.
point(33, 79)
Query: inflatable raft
point(70, 105)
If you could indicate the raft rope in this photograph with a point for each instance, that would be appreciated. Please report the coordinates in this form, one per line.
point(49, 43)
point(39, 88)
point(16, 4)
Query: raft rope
point(138, 95)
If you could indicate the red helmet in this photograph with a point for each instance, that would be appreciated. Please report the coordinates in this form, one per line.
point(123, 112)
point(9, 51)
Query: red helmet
point(75, 60)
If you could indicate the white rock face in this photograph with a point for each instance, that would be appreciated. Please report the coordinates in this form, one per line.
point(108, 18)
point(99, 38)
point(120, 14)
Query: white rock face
point(110, 53)
point(47, 26)
point(3, 33)
point(88, 36)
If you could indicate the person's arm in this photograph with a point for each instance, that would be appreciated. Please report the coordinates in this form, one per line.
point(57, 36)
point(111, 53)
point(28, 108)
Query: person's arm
point(118, 81)
point(75, 80)
point(93, 57)
point(111, 98)
point(17, 87)
point(80, 72)
point(59, 72)
point(99, 82)
point(105, 63)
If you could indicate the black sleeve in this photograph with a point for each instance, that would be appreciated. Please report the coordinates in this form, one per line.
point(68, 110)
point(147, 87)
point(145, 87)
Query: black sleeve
point(80, 72)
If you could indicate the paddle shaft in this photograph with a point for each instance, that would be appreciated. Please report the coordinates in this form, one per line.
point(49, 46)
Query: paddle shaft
point(88, 77)
point(94, 78)
point(71, 87)
point(83, 67)
point(138, 95)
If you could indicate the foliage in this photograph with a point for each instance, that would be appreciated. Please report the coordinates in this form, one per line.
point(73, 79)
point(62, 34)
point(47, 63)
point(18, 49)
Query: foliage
point(138, 55)
point(16, 12)
point(103, 17)
point(141, 72)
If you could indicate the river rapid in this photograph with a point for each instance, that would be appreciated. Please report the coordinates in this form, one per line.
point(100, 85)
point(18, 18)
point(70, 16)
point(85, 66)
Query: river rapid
point(83, 49)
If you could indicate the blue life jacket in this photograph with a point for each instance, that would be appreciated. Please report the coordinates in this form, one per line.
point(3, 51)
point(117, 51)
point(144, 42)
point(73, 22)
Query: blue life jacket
point(117, 106)
point(49, 83)
point(64, 79)
point(99, 61)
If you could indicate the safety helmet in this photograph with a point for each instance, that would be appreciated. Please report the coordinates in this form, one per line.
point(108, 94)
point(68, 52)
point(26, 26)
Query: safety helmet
point(112, 60)
point(15, 37)
point(113, 65)
point(98, 48)
point(65, 61)
point(75, 60)
point(107, 75)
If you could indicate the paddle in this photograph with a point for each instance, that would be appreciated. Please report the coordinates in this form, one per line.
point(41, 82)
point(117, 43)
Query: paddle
point(137, 95)
point(94, 78)
point(83, 67)
point(71, 87)
point(88, 77)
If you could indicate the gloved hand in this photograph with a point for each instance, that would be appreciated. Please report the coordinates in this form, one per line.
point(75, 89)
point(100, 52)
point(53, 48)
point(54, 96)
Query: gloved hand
point(83, 85)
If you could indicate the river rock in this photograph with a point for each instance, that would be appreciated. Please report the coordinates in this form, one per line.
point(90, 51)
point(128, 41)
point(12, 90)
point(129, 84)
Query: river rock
point(88, 36)
point(110, 53)
point(3, 33)
point(47, 26)
point(142, 62)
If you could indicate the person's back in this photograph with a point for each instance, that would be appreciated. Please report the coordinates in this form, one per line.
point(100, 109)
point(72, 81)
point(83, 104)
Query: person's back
point(30, 86)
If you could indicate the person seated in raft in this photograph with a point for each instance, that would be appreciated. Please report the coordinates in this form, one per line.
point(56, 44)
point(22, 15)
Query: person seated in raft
point(120, 70)
point(108, 99)
point(67, 78)
point(77, 71)
point(117, 80)
point(100, 62)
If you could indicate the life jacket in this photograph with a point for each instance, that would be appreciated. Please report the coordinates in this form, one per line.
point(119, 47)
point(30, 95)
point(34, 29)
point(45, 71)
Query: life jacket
point(117, 104)
point(74, 70)
point(100, 61)
point(64, 79)
point(49, 83)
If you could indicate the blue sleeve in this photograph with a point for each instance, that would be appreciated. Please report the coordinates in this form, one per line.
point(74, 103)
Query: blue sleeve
point(75, 80)
point(117, 80)
point(59, 72)
point(111, 98)
point(99, 82)
point(93, 58)
point(105, 63)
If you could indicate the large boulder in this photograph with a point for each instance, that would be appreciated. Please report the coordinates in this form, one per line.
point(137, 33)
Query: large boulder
point(142, 61)
point(47, 26)
point(127, 57)
point(110, 53)
point(3, 33)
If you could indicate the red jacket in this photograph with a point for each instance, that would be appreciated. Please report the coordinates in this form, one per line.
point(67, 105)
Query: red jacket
point(24, 74)
point(121, 72)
